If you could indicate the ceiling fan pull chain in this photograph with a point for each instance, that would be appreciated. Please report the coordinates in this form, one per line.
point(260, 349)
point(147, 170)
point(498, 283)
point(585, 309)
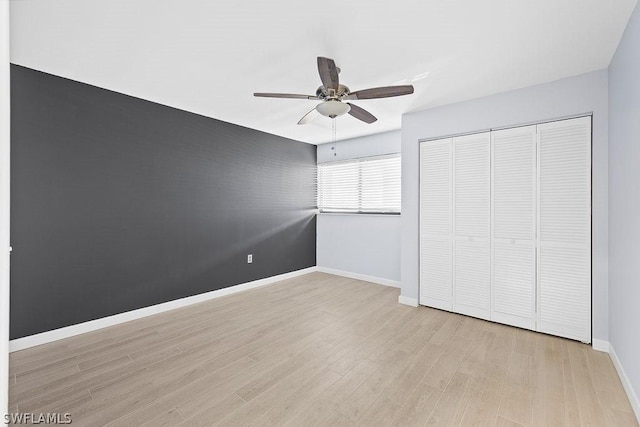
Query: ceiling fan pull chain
point(333, 134)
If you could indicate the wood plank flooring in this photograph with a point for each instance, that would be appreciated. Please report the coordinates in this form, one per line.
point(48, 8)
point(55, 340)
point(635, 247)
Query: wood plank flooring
point(318, 350)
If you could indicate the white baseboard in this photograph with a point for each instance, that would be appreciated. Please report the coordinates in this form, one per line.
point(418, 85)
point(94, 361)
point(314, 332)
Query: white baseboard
point(81, 328)
point(412, 302)
point(628, 388)
point(357, 276)
point(600, 345)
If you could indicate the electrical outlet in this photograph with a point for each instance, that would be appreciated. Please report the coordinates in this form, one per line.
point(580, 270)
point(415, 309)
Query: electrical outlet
point(249, 258)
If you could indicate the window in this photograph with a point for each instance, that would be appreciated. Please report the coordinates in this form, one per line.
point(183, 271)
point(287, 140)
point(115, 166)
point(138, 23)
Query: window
point(367, 185)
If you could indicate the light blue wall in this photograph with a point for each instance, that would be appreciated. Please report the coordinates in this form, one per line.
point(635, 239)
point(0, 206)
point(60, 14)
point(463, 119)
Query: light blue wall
point(624, 201)
point(586, 93)
point(366, 146)
point(364, 244)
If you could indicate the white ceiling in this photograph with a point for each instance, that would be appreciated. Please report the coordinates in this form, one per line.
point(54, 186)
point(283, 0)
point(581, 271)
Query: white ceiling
point(208, 56)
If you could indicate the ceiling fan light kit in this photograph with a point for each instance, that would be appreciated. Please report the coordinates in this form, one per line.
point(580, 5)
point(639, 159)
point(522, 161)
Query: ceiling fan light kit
point(333, 108)
point(332, 94)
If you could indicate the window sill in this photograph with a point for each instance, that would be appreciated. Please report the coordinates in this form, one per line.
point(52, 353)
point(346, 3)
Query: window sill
point(389, 215)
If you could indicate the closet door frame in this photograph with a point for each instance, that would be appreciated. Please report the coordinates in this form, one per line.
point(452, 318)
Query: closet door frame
point(536, 243)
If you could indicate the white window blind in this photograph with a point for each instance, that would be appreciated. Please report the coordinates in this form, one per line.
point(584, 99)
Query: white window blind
point(366, 185)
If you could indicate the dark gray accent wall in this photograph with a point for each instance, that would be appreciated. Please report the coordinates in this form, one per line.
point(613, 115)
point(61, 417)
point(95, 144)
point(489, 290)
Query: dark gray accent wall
point(119, 203)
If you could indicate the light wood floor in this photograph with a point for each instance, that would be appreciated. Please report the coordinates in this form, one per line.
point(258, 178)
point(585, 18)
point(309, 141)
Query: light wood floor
point(318, 350)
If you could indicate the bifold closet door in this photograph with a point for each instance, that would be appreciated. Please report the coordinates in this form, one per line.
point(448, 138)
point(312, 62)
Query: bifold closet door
point(564, 228)
point(436, 210)
point(513, 181)
point(472, 210)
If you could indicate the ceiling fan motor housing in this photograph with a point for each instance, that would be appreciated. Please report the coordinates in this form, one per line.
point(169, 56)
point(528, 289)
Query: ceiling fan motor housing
point(324, 93)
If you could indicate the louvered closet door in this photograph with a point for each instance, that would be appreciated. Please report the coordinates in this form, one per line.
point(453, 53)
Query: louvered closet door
point(471, 189)
point(564, 228)
point(436, 224)
point(513, 180)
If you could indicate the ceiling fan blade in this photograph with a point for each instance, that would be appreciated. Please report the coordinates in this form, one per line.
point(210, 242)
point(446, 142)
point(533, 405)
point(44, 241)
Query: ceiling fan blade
point(328, 73)
point(285, 95)
point(381, 92)
point(308, 117)
point(361, 114)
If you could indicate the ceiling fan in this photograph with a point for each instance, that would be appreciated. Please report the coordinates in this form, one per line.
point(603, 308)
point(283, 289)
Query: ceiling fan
point(333, 94)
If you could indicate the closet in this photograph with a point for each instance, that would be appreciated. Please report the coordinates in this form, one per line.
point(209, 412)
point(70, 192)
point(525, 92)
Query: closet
point(505, 226)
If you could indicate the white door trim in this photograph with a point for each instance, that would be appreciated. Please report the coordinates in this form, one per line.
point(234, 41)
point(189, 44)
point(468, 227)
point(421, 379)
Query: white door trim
point(4, 205)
